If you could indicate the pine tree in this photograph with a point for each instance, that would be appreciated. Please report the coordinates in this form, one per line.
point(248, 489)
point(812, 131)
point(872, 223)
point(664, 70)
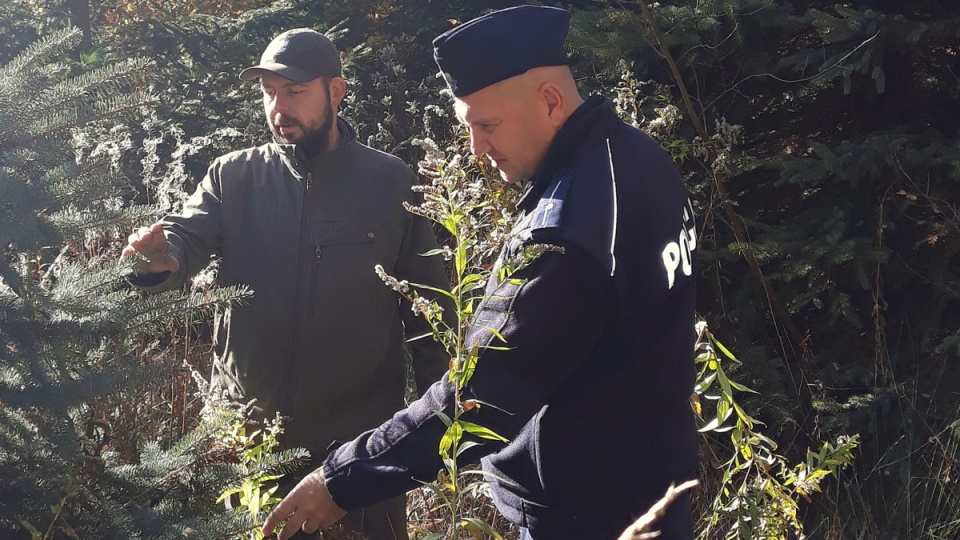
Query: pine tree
point(74, 336)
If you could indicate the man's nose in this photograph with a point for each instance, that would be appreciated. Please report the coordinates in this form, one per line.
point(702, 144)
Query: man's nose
point(277, 104)
point(478, 143)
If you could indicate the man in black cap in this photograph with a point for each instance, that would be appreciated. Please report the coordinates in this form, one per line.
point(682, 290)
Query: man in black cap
point(303, 221)
point(592, 387)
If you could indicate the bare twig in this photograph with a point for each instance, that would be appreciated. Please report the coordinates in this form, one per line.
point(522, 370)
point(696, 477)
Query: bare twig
point(641, 528)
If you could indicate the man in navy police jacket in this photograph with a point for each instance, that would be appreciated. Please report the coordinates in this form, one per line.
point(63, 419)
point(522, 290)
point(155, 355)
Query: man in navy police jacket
point(593, 391)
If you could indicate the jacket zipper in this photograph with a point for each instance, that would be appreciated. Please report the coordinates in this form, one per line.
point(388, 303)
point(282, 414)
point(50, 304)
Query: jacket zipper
point(291, 382)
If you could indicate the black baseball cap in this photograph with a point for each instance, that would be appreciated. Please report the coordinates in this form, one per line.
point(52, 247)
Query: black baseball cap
point(300, 54)
point(500, 45)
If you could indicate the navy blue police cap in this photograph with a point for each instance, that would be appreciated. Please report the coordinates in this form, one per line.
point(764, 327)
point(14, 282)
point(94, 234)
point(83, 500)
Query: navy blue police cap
point(500, 45)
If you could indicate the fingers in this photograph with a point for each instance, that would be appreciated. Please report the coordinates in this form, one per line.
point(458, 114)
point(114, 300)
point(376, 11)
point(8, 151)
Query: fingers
point(310, 526)
point(152, 244)
point(294, 522)
point(280, 512)
point(133, 242)
point(307, 507)
point(144, 238)
point(290, 527)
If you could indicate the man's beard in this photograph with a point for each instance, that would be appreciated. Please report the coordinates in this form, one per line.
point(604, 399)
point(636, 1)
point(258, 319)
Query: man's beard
point(312, 141)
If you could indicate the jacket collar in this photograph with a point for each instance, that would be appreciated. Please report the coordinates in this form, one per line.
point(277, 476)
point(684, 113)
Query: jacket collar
point(587, 127)
point(347, 138)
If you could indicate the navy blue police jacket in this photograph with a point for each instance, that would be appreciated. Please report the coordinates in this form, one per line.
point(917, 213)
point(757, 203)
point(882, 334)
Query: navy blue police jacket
point(592, 386)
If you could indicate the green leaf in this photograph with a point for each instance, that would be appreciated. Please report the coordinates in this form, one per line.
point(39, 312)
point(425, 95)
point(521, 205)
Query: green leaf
point(740, 387)
point(470, 287)
point(724, 350)
point(723, 410)
point(34, 533)
point(705, 382)
point(710, 426)
point(444, 418)
point(482, 432)
point(450, 437)
point(438, 492)
point(467, 445)
point(496, 333)
point(481, 526)
point(448, 294)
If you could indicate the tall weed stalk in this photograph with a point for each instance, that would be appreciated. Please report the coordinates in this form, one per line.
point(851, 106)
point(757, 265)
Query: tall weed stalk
point(474, 208)
point(759, 491)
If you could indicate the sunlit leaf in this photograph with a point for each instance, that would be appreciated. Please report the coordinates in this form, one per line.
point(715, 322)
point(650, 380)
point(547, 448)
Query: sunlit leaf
point(481, 431)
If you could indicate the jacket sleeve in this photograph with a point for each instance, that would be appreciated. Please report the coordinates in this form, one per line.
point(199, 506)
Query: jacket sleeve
point(430, 359)
point(550, 315)
point(194, 235)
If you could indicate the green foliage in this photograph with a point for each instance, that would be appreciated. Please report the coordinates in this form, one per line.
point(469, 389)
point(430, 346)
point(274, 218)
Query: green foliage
point(23, 22)
point(875, 34)
point(829, 132)
point(41, 103)
point(758, 493)
point(935, 493)
point(262, 466)
point(71, 337)
point(462, 198)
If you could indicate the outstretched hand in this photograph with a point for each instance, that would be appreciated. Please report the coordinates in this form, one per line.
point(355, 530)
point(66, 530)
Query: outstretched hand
point(152, 244)
point(307, 507)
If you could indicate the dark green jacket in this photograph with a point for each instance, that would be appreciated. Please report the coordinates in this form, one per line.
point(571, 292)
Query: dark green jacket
point(321, 341)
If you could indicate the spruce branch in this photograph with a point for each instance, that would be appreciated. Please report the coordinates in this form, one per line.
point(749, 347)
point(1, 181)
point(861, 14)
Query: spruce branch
point(41, 52)
point(160, 309)
point(76, 224)
point(61, 121)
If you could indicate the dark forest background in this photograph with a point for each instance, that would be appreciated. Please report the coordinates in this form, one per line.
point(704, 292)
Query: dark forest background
point(820, 142)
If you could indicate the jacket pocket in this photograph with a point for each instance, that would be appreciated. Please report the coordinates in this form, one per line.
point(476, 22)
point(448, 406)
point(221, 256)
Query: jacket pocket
point(337, 233)
point(343, 337)
point(344, 283)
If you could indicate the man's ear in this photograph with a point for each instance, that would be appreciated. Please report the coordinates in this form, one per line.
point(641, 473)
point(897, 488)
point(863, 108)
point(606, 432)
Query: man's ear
point(338, 89)
point(553, 98)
